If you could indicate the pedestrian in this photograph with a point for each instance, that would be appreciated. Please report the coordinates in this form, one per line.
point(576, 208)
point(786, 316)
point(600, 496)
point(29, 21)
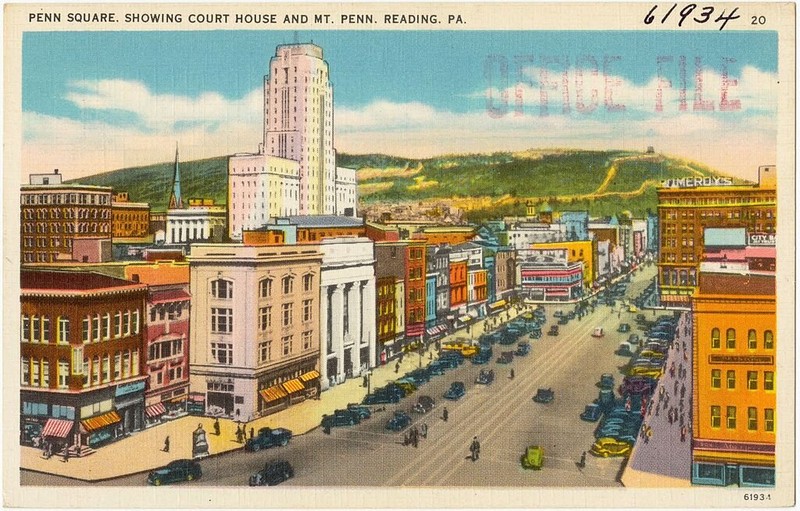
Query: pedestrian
point(415, 437)
point(683, 434)
point(582, 462)
point(216, 426)
point(676, 387)
point(66, 455)
point(364, 381)
point(397, 367)
point(474, 449)
point(444, 414)
point(683, 390)
point(511, 374)
point(166, 444)
point(424, 430)
point(326, 429)
point(252, 433)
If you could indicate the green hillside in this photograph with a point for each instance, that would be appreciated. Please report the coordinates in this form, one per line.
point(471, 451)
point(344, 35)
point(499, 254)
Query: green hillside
point(603, 182)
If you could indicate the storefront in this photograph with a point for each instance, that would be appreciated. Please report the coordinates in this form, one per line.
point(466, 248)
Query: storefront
point(101, 429)
point(728, 463)
point(311, 383)
point(154, 414)
point(129, 404)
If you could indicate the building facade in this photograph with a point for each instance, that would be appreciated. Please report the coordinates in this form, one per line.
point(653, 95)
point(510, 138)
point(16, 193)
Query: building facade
point(438, 264)
point(200, 221)
point(129, 219)
point(547, 275)
point(53, 216)
point(347, 309)
point(254, 327)
point(385, 317)
point(81, 355)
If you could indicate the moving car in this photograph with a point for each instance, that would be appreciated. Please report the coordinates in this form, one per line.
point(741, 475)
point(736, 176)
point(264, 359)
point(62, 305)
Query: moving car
point(505, 357)
point(274, 472)
point(523, 349)
point(610, 447)
point(624, 328)
point(598, 332)
point(553, 330)
point(380, 397)
point(482, 358)
point(558, 314)
point(544, 396)
point(563, 320)
point(625, 349)
point(424, 404)
point(454, 356)
point(591, 413)
point(178, 470)
point(485, 377)
point(456, 391)
point(362, 411)
point(533, 458)
point(268, 437)
point(606, 381)
point(340, 418)
point(399, 421)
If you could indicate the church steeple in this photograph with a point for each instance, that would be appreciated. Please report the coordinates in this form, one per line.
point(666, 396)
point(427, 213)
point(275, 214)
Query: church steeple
point(175, 200)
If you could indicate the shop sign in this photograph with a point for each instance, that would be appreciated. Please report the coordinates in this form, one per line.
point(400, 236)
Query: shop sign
point(741, 359)
point(758, 239)
point(129, 388)
point(695, 182)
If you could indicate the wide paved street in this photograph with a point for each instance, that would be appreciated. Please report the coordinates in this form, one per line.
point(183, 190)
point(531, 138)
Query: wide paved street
point(502, 416)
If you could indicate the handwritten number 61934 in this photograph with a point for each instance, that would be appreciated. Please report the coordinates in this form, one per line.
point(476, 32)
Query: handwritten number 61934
point(702, 15)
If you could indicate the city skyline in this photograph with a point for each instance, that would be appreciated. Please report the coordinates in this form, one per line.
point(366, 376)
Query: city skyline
point(131, 114)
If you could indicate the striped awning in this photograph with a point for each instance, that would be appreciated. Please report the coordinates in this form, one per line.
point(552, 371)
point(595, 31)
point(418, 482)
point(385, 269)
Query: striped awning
point(311, 375)
point(155, 410)
point(101, 421)
point(293, 386)
point(273, 393)
point(59, 428)
point(436, 330)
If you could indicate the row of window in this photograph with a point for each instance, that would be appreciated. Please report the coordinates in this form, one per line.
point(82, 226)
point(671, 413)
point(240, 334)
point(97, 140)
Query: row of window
point(223, 289)
point(162, 311)
point(37, 329)
point(222, 352)
point(752, 418)
point(35, 372)
point(68, 228)
point(66, 198)
point(768, 340)
point(55, 214)
point(752, 379)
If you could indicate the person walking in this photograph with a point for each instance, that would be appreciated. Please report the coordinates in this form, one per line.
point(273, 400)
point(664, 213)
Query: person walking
point(683, 434)
point(216, 426)
point(474, 449)
point(397, 367)
point(252, 433)
point(66, 455)
point(444, 414)
point(166, 444)
point(424, 430)
point(415, 437)
point(511, 374)
point(582, 462)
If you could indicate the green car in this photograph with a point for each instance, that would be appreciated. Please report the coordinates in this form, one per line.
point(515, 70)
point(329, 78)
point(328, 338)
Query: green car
point(175, 471)
point(533, 458)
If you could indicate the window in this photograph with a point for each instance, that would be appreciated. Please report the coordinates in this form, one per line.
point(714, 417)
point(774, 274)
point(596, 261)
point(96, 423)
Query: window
point(26, 328)
point(118, 324)
point(716, 378)
point(730, 417)
point(221, 320)
point(308, 282)
point(96, 328)
point(287, 310)
point(85, 372)
point(265, 318)
point(752, 419)
point(25, 371)
point(95, 370)
point(751, 339)
point(265, 288)
point(264, 351)
point(106, 368)
point(36, 329)
point(63, 374)
point(768, 340)
point(45, 329)
point(222, 353)
point(307, 340)
point(221, 289)
point(136, 321)
point(117, 365)
point(731, 377)
point(715, 338)
point(730, 339)
point(769, 380)
point(105, 326)
point(35, 372)
point(769, 419)
point(287, 344)
point(752, 380)
point(287, 284)
point(126, 364)
point(306, 310)
point(63, 331)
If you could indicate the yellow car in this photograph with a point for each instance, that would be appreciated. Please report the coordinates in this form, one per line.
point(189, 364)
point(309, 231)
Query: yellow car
point(646, 371)
point(607, 447)
point(467, 350)
point(633, 308)
point(651, 354)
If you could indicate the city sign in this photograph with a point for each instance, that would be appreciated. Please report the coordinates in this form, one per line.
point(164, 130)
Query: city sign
point(695, 182)
point(759, 239)
point(741, 359)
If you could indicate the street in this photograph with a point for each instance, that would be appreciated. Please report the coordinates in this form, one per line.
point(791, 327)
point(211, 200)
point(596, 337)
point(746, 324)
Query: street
point(502, 415)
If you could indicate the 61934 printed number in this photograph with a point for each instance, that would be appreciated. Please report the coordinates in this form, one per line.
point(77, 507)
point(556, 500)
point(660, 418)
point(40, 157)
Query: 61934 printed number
point(757, 496)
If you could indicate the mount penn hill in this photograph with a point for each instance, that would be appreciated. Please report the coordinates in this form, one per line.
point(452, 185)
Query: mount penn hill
point(484, 185)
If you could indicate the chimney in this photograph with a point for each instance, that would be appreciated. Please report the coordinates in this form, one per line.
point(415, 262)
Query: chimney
point(55, 171)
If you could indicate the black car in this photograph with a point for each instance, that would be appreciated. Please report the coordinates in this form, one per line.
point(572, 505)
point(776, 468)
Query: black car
point(274, 472)
point(178, 470)
point(398, 421)
point(505, 357)
point(553, 330)
point(340, 418)
point(380, 398)
point(362, 411)
point(456, 391)
point(424, 404)
point(544, 395)
point(268, 437)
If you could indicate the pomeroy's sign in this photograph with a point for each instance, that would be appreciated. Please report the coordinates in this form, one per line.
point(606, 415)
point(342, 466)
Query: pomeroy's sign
point(694, 182)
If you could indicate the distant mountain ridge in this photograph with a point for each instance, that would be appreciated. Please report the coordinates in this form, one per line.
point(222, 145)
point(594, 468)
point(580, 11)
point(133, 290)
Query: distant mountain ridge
point(564, 175)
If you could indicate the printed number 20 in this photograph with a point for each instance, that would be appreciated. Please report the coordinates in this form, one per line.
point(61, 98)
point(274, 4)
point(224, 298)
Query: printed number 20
point(758, 20)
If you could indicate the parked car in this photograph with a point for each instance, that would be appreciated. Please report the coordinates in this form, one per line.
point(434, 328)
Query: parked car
point(424, 404)
point(407, 386)
point(598, 332)
point(485, 377)
point(558, 314)
point(178, 470)
point(482, 358)
point(536, 334)
point(419, 376)
point(625, 349)
point(454, 356)
point(610, 447)
point(505, 357)
point(591, 413)
point(633, 339)
point(398, 421)
point(274, 472)
point(268, 437)
point(544, 395)
point(523, 349)
point(606, 381)
point(340, 418)
point(437, 368)
point(380, 397)
point(456, 391)
point(553, 330)
point(636, 385)
point(362, 411)
point(624, 328)
point(533, 457)
point(563, 320)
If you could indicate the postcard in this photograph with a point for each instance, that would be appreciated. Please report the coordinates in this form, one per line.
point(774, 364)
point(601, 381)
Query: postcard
point(405, 255)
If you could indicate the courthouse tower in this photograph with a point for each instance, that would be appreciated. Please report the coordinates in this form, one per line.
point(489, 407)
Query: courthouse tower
point(298, 122)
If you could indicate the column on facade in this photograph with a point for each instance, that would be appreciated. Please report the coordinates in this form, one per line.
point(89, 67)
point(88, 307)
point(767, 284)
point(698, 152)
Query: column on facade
point(355, 325)
point(324, 303)
point(369, 305)
point(337, 312)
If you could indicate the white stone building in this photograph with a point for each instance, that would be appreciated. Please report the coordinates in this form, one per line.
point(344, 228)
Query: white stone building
point(347, 309)
point(201, 221)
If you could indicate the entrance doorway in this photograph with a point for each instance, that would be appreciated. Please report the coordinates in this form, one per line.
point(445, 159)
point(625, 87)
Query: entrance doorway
point(222, 400)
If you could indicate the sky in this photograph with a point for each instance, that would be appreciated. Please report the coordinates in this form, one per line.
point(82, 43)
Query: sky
point(98, 101)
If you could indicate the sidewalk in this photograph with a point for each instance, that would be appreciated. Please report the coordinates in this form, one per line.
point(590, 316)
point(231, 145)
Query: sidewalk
point(142, 451)
point(664, 460)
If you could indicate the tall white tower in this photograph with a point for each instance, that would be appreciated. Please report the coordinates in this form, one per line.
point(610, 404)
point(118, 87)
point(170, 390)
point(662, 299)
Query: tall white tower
point(298, 122)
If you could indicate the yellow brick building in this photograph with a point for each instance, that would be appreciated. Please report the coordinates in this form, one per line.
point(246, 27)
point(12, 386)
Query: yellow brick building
point(584, 251)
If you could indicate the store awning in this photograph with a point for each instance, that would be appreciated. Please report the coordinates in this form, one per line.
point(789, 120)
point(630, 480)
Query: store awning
point(169, 295)
point(436, 330)
point(293, 386)
point(273, 393)
point(101, 421)
point(498, 304)
point(311, 375)
point(58, 428)
point(155, 410)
